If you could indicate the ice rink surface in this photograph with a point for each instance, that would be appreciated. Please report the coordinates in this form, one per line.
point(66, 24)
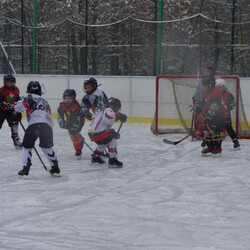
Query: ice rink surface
point(165, 198)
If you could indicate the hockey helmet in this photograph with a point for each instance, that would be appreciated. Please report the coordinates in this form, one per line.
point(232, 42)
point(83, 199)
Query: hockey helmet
point(9, 78)
point(92, 81)
point(208, 83)
point(34, 87)
point(208, 70)
point(114, 104)
point(221, 83)
point(69, 92)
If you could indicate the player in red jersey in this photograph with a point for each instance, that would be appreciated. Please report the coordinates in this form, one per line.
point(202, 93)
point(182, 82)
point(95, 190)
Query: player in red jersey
point(9, 95)
point(71, 118)
point(213, 112)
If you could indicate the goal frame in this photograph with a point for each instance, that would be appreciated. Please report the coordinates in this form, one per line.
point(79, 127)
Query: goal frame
point(237, 98)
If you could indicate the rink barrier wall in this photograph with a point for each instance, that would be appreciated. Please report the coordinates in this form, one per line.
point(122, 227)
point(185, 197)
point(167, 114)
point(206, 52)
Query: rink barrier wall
point(137, 93)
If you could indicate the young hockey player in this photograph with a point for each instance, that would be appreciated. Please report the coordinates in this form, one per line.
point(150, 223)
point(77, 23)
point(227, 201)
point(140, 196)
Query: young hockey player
point(229, 103)
point(214, 116)
point(198, 102)
point(71, 110)
point(94, 100)
point(40, 125)
point(103, 135)
point(9, 94)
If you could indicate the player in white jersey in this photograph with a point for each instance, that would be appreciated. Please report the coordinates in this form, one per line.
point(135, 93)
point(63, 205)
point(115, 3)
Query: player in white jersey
point(94, 100)
point(40, 125)
point(100, 131)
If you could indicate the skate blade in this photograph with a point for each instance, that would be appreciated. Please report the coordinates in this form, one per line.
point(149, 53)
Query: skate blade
point(55, 175)
point(79, 157)
point(217, 155)
point(206, 155)
point(238, 148)
point(23, 177)
point(97, 163)
point(114, 166)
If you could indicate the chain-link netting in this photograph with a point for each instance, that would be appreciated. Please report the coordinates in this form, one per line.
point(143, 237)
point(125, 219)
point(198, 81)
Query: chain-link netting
point(126, 47)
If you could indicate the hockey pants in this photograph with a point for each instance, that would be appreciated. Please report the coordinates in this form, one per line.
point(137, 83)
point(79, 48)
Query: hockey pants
point(77, 142)
point(112, 148)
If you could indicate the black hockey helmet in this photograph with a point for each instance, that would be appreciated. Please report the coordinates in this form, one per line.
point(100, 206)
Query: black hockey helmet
point(69, 92)
point(92, 81)
point(34, 87)
point(9, 78)
point(114, 104)
point(208, 70)
point(208, 82)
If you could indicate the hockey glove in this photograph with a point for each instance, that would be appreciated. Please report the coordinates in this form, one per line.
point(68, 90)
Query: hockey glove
point(73, 129)
point(6, 105)
point(115, 135)
point(198, 107)
point(207, 120)
point(122, 117)
point(16, 116)
point(62, 123)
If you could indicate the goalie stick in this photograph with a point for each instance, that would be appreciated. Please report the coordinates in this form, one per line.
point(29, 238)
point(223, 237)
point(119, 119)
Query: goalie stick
point(167, 141)
point(177, 142)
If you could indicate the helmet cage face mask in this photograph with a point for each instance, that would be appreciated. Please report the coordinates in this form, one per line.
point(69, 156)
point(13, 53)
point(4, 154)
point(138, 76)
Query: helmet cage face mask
point(91, 82)
point(34, 87)
point(9, 79)
point(70, 93)
point(114, 104)
point(208, 84)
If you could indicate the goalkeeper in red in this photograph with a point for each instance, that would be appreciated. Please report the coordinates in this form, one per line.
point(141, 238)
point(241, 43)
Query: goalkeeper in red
point(71, 118)
point(103, 135)
point(213, 113)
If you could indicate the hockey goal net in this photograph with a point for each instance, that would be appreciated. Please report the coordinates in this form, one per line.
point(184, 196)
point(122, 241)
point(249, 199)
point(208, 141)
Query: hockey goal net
point(173, 113)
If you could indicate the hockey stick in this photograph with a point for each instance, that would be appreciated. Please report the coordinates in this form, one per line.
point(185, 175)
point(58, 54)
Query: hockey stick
point(35, 148)
point(177, 142)
point(119, 128)
point(83, 140)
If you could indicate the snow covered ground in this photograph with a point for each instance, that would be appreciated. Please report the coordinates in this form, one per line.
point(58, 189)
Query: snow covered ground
point(165, 197)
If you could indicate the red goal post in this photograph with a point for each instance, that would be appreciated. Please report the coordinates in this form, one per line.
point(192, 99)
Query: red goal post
point(173, 111)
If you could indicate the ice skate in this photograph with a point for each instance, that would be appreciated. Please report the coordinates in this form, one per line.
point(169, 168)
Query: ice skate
point(78, 154)
point(114, 163)
point(24, 172)
point(236, 144)
point(55, 171)
point(206, 151)
point(17, 143)
point(97, 159)
point(216, 152)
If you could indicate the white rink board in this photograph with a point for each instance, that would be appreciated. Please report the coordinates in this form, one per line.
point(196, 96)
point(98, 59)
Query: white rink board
point(137, 94)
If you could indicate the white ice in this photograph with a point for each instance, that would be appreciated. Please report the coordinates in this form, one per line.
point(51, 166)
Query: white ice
point(165, 197)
